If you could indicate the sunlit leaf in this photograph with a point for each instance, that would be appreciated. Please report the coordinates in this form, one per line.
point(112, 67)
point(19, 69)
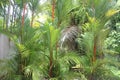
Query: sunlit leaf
point(111, 12)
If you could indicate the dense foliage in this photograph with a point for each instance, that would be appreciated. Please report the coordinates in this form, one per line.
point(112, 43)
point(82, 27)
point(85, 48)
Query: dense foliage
point(76, 39)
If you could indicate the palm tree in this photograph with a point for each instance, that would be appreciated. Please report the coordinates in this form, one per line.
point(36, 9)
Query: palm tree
point(37, 53)
point(99, 12)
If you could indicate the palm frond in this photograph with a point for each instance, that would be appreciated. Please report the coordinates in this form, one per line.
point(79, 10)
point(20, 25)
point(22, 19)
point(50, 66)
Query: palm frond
point(62, 9)
point(68, 37)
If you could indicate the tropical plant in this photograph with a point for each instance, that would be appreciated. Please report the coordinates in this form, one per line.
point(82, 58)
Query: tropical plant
point(40, 53)
point(99, 12)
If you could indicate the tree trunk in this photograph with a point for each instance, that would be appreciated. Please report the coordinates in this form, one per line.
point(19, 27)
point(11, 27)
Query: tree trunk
point(94, 50)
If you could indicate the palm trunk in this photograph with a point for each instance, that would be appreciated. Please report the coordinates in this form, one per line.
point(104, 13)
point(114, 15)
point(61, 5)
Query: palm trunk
point(23, 16)
point(94, 52)
point(51, 63)
point(13, 18)
point(4, 19)
point(53, 10)
point(51, 51)
point(21, 62)
point(32, 18)
point(8, 16)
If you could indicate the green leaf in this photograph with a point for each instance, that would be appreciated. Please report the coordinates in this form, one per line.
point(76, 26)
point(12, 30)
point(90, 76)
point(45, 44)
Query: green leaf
point(35, 75)
point(54, 33)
